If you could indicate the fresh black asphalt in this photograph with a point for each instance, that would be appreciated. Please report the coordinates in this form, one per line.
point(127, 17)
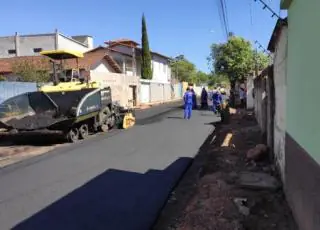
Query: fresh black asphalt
point(115, 181)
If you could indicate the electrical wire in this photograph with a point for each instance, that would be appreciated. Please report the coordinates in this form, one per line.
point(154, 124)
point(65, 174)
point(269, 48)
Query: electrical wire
point(223, 14)
point(225, 10)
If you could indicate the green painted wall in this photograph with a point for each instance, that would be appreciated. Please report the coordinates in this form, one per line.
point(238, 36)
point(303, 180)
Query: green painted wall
point(303, 79)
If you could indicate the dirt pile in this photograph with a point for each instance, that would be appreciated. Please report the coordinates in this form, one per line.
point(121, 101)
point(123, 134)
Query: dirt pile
point(225, 190)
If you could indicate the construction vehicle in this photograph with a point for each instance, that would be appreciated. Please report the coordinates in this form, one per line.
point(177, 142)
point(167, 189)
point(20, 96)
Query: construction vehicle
point(72, 106)
point(65, 79)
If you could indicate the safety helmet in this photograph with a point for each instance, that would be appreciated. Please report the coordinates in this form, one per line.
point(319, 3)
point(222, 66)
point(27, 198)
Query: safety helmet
point(222, 90)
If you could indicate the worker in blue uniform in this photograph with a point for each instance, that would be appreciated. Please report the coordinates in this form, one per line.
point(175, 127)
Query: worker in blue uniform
point(188, 103)
point(204, 99)
point(194, 99)
point(216, 100)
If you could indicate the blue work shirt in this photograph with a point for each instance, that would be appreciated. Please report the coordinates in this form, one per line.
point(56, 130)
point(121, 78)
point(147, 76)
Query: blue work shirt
point(216, 97)
point(188, 98)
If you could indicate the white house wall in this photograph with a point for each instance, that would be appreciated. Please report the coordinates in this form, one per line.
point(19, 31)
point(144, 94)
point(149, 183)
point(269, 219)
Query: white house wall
point(161, 70)
point(7, 43)
point(101, 67)
point(153, 91)
point(144, 93)
point(156, 92)
point(67, 43)
point(280, 62)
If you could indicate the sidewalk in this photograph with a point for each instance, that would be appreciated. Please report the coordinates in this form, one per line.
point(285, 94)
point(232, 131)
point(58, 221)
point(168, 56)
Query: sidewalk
point(229, 187)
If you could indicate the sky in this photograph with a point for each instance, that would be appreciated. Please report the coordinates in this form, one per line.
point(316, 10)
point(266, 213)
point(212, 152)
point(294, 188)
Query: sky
point(175, 27)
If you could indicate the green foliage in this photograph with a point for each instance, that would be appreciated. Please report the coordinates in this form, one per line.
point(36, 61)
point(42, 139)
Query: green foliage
point(236, 58)
point(200, 77)
point(2, 78)
point(146, 71)
point(221, 80)
point(30, 72)
point(182, 69)
point(262, 60)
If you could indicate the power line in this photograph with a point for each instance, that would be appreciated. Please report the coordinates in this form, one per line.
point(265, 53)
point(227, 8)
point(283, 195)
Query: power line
point(224, 23)
point(223, 14)
point(225, 10)
point(251, 19)
point(265, 6)
point(251, 16)
point(262, 48)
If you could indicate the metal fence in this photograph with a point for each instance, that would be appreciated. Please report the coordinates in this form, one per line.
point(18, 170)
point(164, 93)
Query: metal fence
point(11, 89)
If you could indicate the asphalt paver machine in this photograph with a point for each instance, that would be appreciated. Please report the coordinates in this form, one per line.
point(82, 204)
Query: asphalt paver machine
point(72, 105)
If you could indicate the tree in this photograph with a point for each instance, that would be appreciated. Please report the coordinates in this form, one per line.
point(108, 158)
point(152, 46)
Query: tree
point(183, 69)
point(201, 77)
point(234, 58)
point(262, 60)
point(219, 80)
point(30, 72)
point(146, 71)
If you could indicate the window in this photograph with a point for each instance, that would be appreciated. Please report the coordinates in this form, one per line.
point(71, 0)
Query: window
point(11, 51)
point(37, 50)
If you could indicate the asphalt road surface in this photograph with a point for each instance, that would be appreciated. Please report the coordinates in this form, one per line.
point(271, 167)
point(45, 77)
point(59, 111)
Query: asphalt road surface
point(116, 181)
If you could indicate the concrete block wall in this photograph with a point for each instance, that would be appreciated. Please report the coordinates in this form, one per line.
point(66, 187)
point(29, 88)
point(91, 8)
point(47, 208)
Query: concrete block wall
point(167, 92)
point(250, 100)
point(177, 90)
point(156, 92)
point(153, 91)
point(119, 83)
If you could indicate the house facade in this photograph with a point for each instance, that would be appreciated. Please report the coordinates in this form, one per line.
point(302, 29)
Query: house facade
point(127, 53)
point(302, 151)
point(31, 45)
point(95, 66)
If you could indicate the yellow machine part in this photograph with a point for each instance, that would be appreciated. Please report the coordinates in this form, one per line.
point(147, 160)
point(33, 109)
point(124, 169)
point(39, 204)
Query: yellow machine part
point(62, 54)
point(128, 121)
point(68, 86)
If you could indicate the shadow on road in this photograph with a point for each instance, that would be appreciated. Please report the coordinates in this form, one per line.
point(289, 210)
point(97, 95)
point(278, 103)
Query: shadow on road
point(32, 138)
point(114, 200)
point(186, 188)
point(178, 118)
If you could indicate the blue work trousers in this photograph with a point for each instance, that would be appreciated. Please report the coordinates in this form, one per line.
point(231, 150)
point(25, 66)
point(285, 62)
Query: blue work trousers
point(215, 105)
point(187, 111)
